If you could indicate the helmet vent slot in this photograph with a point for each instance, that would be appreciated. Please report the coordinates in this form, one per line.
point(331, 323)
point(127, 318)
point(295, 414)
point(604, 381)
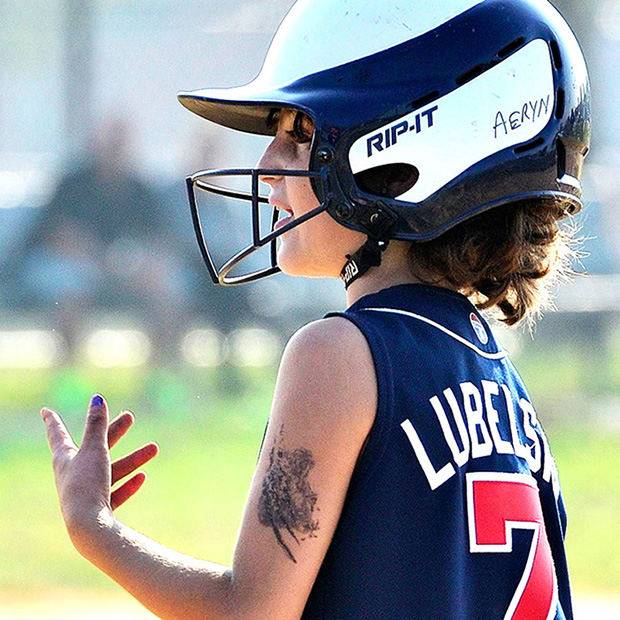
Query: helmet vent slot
point(560, 104)
point(529, 146)
point(388, 181)
point(420, 101)
point(470, 74)
point(511, 47)
point(555, 54)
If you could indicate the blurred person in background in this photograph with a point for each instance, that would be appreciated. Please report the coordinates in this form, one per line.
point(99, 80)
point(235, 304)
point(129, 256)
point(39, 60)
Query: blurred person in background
point(103, 244)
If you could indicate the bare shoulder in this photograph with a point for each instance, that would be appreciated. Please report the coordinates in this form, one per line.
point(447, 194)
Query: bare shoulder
point(334, 337)
point(330, 364)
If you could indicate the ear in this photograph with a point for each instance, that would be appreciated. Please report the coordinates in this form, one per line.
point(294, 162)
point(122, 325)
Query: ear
point(389, 181)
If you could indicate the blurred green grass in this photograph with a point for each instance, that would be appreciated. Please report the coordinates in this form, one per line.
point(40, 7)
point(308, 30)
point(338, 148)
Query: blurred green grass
point(196, 490)
point(209, 425)
point(588, 460)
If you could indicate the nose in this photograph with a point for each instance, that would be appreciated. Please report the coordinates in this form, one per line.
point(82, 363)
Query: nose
point(270, 159)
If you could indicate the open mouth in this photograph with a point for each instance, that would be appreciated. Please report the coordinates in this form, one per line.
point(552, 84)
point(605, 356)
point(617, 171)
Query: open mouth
point(286, 216)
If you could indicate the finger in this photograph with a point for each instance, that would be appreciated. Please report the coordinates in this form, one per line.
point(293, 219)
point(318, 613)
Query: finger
point(119, 426)
point(58, 437)
point(128, 489)
point(128, 464)
point(96, 429)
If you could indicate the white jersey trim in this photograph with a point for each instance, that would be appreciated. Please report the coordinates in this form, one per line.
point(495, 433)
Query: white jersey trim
point(445, 330)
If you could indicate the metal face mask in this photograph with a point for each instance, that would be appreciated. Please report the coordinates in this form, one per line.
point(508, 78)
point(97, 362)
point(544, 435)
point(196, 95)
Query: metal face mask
point(206, 181)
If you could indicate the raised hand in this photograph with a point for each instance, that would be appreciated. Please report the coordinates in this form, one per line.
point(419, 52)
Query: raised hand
point(84, 476)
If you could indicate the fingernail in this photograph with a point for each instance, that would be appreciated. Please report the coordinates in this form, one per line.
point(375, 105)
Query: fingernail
point(96, 401)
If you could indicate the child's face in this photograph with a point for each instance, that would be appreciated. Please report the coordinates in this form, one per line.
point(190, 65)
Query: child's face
point(318, 247)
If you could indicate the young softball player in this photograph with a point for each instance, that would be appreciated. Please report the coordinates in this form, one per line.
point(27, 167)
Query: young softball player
point(424, 152)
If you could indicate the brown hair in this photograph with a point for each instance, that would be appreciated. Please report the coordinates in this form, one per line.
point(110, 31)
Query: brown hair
point(506, 260)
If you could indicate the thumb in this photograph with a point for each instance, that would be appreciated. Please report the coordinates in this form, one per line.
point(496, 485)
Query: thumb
point(58, 436)
point(96, 429)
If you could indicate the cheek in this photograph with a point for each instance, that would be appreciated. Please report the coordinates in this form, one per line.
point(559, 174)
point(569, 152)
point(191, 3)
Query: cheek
point(319, 246)
point(301, 196)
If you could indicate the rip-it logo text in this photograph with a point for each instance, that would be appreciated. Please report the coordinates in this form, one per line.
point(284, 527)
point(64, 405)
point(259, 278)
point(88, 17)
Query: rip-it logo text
point(389, 137)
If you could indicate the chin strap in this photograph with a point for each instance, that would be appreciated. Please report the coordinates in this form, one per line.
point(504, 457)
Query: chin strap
point(378, 222)
point(369, 255)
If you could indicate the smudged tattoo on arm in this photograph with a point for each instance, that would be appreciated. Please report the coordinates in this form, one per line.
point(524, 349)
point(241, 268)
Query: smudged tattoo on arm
point(287, 502)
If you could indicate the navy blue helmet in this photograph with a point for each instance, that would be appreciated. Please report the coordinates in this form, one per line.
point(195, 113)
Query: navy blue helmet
point(483, 102)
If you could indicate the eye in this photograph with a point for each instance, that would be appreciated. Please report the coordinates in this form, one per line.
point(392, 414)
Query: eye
point(303, 128)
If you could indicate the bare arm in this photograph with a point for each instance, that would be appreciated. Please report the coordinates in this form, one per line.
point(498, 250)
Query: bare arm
point(323, 409)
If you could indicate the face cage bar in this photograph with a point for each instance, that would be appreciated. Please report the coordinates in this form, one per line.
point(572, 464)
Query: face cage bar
point(198, 180)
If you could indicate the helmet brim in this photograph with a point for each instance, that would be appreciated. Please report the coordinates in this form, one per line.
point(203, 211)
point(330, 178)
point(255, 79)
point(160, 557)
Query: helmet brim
point(242, 108)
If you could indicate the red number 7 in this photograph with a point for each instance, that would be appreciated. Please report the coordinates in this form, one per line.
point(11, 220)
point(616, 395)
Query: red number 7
point(497, 504)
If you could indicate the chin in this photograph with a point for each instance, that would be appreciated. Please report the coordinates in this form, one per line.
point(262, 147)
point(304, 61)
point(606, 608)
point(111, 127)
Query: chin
point(297, 264)
point(293, 266)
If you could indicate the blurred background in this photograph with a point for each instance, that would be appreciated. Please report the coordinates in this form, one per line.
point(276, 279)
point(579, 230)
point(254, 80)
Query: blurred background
point(102, 289)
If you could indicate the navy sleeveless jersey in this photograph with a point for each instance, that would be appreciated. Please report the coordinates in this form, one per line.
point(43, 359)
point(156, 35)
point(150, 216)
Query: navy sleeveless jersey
point(454, 509)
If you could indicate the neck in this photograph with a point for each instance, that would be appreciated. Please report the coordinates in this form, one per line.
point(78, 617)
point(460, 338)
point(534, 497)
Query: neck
point(395, 269)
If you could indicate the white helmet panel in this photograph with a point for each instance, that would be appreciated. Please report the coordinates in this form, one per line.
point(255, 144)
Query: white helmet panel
point(507, 105)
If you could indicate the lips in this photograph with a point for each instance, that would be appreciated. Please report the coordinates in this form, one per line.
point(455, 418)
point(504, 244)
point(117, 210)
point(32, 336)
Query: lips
point(283, 221)
point(286, 216)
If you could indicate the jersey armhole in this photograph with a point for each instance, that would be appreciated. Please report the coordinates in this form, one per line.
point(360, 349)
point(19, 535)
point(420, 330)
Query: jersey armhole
point(376, 441)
